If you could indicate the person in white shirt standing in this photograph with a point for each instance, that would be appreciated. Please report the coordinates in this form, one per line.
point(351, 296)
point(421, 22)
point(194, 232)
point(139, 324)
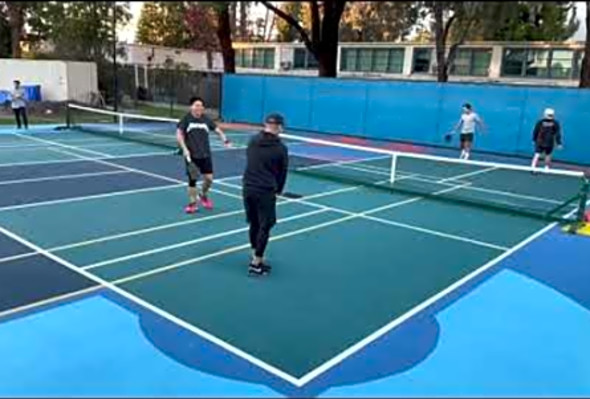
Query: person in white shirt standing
point(467, 124)
point(19, 105)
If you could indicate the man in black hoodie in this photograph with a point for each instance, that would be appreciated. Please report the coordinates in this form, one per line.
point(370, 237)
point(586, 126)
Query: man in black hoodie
point(546, 135)
point(264, 179)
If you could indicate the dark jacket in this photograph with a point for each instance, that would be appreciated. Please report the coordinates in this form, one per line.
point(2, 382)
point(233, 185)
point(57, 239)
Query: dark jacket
point(547, 133)
point(266, 165)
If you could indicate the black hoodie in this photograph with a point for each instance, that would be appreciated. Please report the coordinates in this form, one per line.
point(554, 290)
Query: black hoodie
point(547, 133)
point(267, 162)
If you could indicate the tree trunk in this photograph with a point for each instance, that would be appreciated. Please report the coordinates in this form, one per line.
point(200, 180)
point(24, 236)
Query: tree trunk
point(16, 20)
point(225, 40)
point(585, 73)
point(440, 41)
point(328, 49)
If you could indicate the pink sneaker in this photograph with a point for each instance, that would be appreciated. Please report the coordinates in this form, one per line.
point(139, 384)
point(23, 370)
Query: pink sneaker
point(191, 208)
point(207, 203)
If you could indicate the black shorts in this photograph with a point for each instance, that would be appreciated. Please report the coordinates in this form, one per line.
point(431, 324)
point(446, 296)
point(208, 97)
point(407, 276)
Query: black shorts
point(205, 166)
point(466, 138)
point(543, 149)
point(260, 208)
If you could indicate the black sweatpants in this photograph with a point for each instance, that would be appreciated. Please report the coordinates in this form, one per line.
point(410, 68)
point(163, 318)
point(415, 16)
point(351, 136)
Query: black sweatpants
point(21, 113)
point(260, 210)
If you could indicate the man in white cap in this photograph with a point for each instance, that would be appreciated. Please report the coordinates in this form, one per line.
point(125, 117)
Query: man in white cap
point(546, 135)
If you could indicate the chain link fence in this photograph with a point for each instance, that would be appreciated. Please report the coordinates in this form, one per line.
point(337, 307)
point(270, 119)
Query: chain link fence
point(144, 88)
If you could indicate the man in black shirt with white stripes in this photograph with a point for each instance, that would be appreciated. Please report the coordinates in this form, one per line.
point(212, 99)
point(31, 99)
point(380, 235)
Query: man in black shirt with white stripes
point(264, 178)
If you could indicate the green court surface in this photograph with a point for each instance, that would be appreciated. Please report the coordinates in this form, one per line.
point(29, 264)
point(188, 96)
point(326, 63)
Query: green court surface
point(348, 261)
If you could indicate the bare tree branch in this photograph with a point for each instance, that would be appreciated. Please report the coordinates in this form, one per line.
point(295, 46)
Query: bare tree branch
point(294, 23)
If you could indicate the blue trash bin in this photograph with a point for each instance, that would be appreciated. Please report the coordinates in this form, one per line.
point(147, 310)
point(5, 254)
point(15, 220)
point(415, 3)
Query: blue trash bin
point(4, 97)
point(32, 92)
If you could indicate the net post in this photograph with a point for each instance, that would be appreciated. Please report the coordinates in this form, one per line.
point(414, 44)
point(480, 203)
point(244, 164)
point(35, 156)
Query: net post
point(68, 116)
point(120, 124)
point(392, 172)
point(581, 212)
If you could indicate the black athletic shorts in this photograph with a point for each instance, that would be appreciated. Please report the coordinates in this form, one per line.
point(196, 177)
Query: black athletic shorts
point(543, 149)
point(260, 207)
point(205, 166)
point(466, 138)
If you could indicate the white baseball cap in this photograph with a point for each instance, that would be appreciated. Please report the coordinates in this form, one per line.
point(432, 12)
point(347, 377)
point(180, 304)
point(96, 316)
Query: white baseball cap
point(549, 113)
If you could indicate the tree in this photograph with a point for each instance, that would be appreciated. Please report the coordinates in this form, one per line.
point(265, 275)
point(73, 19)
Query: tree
point(80, 31)
point(16, 11)
point(525, 21)
point(325, 22)
point(286, 32)
point(163, 23)
point(585, 73)
point(371, 21)
point(201, 23)
point(455, 17)
point(5, 40)
point(224, 35)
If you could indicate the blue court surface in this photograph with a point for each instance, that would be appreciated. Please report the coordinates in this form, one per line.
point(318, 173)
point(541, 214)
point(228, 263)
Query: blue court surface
point(108, 289)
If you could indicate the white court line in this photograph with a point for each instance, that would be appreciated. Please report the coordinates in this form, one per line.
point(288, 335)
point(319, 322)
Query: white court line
point(63, 177)
point(209, 237)
point(57, 144)
point(365, 215)
point(229, 250)
point(273, 370)
point(62, 140)
point(490, 191)
point(183, 223)
point(313, 374)
point(171, 225)
point(65, 161)
point(48, 301)
point(145, 304)
point(89, 197)
point(477, 172)
point(349, 216)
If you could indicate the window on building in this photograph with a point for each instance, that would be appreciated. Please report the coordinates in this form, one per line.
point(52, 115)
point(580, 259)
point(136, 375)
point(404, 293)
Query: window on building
point(239, 58)
point(472, 62)
point(303, 59)
point(396, 60)
point(481, 62)
point(562, 64)
point(381, 60)
point(247, 58)
point(384, 60)
point(539, 63)
point(269, 58)
point(364, 60)
point(348, 59)
point(513, 61)
point(422, 59)
point(262, 58)
point(299, 58)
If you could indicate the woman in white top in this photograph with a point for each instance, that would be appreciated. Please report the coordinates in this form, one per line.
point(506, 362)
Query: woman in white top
point(467, 123)
point(19, 105)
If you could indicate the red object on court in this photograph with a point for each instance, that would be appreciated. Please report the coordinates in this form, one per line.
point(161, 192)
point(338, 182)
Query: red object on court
point(587, 217)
